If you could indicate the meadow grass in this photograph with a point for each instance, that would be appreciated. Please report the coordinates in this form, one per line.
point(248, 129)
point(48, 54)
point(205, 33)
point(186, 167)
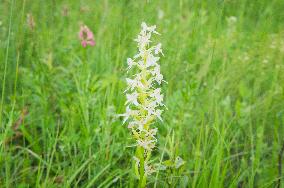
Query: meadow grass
point(224, 64)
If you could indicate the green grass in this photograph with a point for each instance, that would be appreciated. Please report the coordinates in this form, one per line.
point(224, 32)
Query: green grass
point(225, 93)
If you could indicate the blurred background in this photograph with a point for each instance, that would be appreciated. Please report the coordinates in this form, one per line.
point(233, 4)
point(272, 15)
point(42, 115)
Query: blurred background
point(224, 64)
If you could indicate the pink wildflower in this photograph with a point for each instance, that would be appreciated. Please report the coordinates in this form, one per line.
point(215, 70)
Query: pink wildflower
point(86, 36)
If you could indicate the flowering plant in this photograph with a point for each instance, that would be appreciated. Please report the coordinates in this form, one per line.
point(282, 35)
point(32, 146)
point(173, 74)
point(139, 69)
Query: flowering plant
point(144, 100)
point(86, 36)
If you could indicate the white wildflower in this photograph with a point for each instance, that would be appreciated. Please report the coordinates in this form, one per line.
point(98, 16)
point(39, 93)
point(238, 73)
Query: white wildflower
point(135, 83)
point(146, 144)
point(157, 96)
point(131, 125)
point(156, 70)
point(159, 78)
point(132, 98)
point(143, 99)
point(150, 108)
point(149, 169)
point(152, 133)
point(158, 114)
point(151, 29)
point(129, 113)
point(130, 63)
point(158, 49)
point(142, 41)
point(131, 83)
point(151, 61)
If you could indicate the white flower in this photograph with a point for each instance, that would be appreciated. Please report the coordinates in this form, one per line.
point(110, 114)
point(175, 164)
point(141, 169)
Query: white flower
point(134, 83)
point(158, 114)
point(158, 49)
point(140, 64)
point(159, 78)
point(149, 169)
point(151, 133)
point(137, 125)
point(144, 99)
point(151, 61)
point(158, 97)
point(156, 70)
point(131, 83)
point(132, 98)
point(142, 40)
point(151, 29)
point(129, 113)
point(146, 144)
point(130, 63)
point(151, 108)
point(131, 125)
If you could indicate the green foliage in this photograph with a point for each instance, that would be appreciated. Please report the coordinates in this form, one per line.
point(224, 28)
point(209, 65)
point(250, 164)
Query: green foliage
point(224, 66)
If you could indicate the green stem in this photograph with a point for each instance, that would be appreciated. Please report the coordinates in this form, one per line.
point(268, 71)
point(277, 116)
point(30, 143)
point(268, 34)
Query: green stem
point(142, 179)
point(140, 150)
point(6, 63)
